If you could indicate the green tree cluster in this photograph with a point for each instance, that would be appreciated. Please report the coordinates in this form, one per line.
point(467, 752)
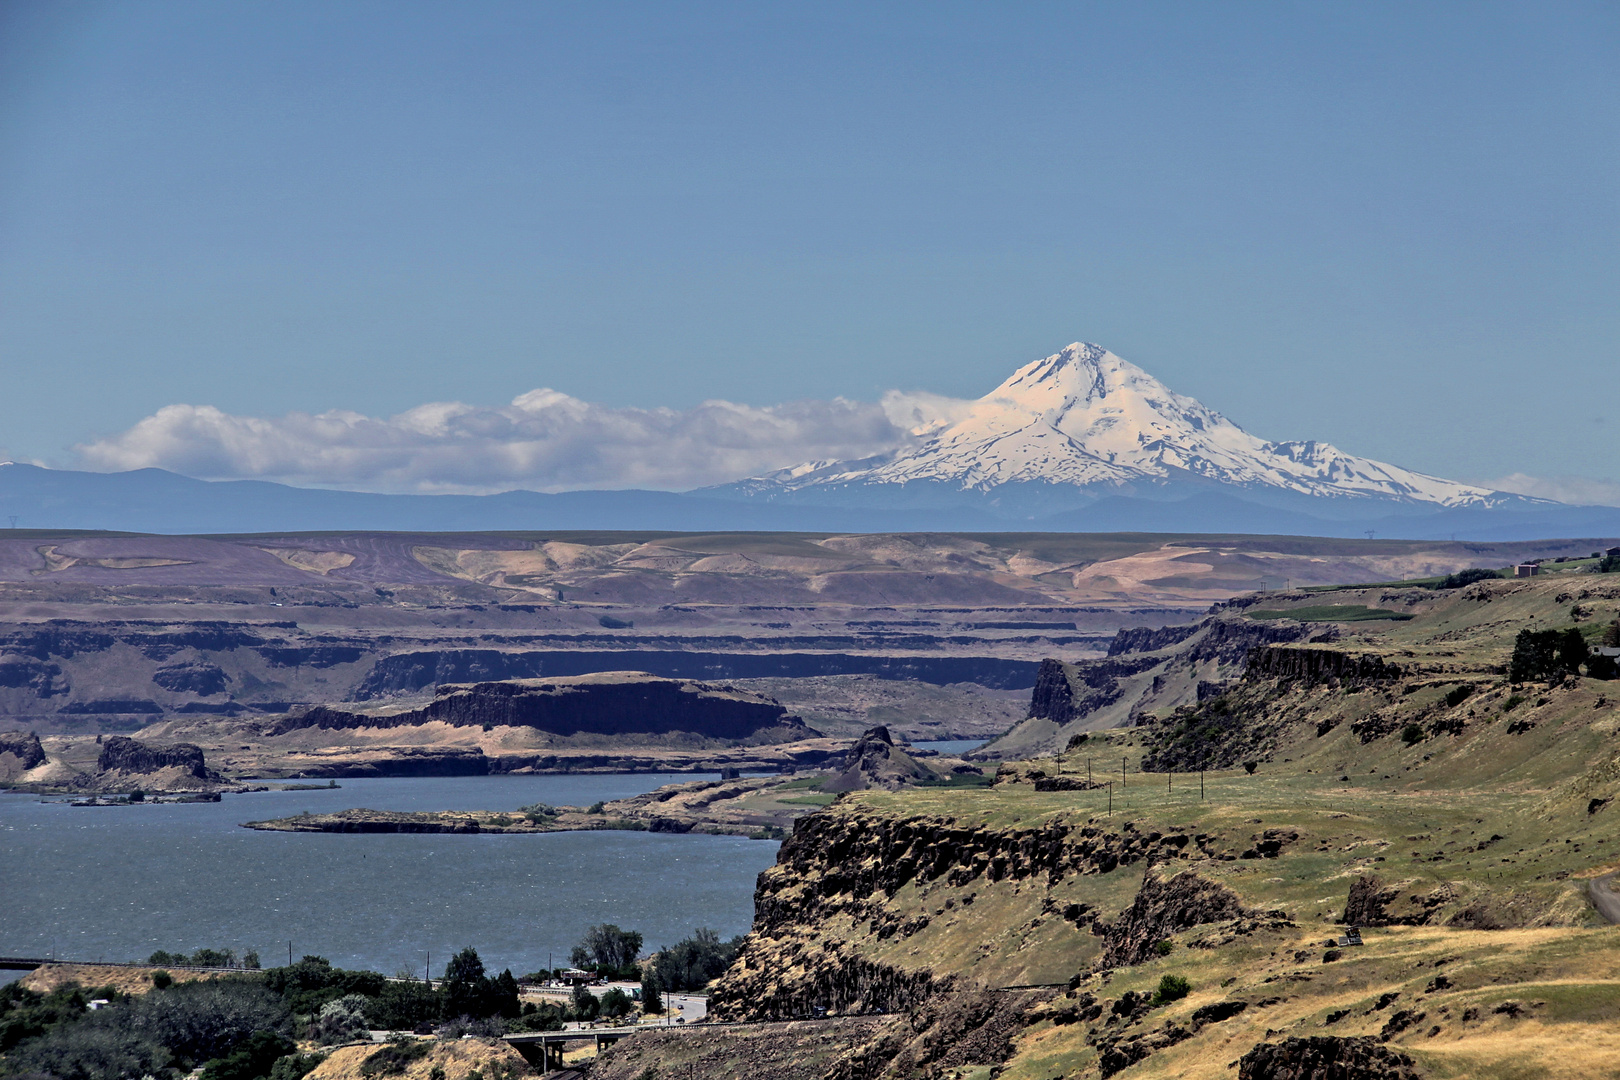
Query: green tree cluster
point(1465, 577)
point(608, 951)
point(1547, 654)
point(691, 963)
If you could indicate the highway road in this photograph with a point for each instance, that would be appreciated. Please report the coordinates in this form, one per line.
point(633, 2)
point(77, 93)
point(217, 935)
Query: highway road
point(1604, 898)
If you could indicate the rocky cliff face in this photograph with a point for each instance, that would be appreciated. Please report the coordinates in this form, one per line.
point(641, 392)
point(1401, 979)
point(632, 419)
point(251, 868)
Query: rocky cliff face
point(1313, 667)
point(838, 868)
point(119, 754)
point(1148, 672)
point(875, 762)
point(1149, 639)
point(1168, 905)
point(614, 703)
point(24, 748)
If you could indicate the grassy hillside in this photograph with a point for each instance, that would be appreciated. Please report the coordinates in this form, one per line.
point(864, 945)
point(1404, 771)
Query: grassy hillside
point(1463, 828)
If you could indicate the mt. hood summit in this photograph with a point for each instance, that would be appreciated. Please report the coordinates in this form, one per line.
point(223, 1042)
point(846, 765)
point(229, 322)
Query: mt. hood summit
point(1083, 424)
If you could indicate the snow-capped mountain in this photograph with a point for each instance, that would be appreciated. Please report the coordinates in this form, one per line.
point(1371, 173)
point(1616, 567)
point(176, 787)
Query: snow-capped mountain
point(1084, 424)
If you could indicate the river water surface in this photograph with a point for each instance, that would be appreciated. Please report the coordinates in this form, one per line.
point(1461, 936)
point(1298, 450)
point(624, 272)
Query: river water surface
point(117, 883)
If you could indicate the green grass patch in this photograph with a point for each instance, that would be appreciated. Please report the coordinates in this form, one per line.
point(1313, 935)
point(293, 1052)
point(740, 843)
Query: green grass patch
point(960, 780)
point(804, 783)
point(1331, 613)
point(819, 798)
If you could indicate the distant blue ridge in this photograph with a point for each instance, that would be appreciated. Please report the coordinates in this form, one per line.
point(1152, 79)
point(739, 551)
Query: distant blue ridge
point(157, 501)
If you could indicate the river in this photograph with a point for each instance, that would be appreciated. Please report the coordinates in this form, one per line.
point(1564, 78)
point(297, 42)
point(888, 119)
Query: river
point(118, 883)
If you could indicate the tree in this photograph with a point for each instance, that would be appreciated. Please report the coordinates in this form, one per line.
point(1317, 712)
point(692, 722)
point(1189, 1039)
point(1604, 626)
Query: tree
point(691, 963)
point(609, 947)
point(585, 1004)
point(615, 1003)
point(1546, 654)
point(402, 1005)
point(503, 998)
point(651, 1000)
point(464, 985)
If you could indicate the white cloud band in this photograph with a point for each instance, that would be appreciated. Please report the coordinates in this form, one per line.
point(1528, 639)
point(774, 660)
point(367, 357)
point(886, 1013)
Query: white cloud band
point(543, 441)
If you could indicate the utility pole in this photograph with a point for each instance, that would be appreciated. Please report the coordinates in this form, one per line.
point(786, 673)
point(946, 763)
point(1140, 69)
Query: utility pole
point(1088, 770)
point(1200, 785)
point(1110, 800)
point(1167, 778)
point(1122, 772)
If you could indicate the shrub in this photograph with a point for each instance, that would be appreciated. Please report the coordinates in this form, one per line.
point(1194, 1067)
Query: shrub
point(252, 1059)
point(1250, 766)
point(1607, 565)
point(1163, 948)
point(313, 981)
point(190, 1024)
point(295, 1066)
point(542, 1017)
point(1513, 702)
point(343, 1020)
point(615, 1003)
point(1411, 734)
point(1459, 694)
point(162, 980)
point(1171, 988)
point(586, 1007)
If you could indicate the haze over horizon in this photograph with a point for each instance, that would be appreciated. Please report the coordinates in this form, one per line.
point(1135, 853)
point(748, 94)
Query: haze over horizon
point(697, 244)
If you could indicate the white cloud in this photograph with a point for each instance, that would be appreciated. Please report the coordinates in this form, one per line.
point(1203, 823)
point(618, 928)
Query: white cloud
point(543, 441)
point(1574, 490)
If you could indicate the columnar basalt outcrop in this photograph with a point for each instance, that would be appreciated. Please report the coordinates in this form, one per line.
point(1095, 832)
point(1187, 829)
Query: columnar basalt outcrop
point(120, 754)
point(1313, 667)
point(845, 866)
point(612, 703)
point(1149, 638)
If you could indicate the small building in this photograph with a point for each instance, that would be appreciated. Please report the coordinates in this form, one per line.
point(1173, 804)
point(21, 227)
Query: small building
point(576, 977)
point(1527, 569)
point(1615, 551)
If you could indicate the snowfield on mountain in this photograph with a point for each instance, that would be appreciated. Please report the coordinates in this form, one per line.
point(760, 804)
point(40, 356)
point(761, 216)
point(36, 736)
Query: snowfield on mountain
point(1083, 424)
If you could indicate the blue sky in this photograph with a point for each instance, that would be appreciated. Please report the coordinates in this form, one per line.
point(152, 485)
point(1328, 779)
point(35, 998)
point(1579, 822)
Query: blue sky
point(1393, 227)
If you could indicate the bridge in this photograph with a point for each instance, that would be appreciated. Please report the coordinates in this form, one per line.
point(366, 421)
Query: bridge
point(545, 1048)
point(22, 963)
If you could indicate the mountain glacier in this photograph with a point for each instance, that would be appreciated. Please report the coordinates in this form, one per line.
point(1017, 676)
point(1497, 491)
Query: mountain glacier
point(1082, 425)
